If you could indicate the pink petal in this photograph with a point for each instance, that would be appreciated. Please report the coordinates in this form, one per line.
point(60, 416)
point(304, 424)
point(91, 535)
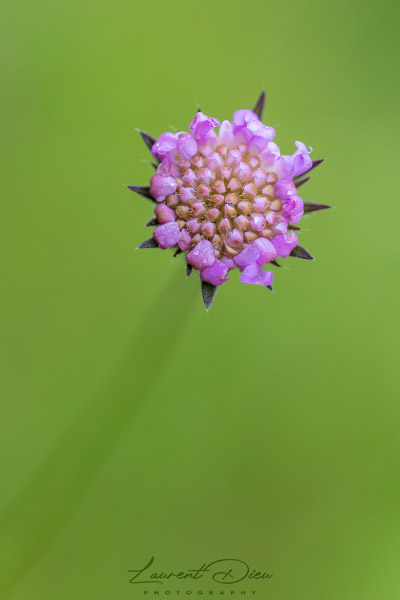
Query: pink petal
point(266, 250)
point(162, 186)
point(284, 244)
point(257, 276)
point(167, 235)
point(202, 126)
point(202, 255)
point(284, 188)
point(248, 256)
point(293, 209)
point(165, 143)
point(187, 146)
point(243, 117)
point(216, 274)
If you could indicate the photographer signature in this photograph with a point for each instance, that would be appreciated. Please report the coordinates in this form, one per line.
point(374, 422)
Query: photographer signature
point(223, 571)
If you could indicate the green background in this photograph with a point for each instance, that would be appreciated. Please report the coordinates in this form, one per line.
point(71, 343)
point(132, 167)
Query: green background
point(135, 424)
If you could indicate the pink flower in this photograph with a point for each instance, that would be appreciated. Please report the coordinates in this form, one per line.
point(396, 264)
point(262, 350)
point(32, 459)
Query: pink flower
point(227, 198)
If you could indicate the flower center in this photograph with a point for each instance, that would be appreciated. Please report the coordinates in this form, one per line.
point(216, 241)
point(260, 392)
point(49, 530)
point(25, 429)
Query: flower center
point(224, 196)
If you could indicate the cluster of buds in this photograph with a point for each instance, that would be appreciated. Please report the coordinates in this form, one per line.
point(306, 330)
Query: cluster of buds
point(228, 199)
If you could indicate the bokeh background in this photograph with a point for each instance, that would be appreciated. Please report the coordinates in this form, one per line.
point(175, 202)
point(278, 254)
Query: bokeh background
point(135, 424)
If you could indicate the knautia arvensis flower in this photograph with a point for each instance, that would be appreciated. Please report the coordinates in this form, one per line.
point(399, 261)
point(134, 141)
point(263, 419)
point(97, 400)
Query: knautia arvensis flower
point(227, 199)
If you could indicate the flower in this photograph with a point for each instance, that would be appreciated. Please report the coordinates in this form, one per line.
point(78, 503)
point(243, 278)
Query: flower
point(227, 199)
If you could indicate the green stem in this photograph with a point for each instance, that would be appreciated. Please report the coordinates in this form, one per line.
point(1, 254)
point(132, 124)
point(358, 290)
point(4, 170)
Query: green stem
point(60, 483)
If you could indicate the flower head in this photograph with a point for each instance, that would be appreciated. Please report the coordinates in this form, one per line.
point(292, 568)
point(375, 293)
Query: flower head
point(227, 198)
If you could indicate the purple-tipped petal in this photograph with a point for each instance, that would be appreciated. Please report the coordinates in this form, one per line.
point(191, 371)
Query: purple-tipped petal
point(271, 155)
point(226, 134)
point(293, 209)
point(248, 129)
point(302, 161)
point(164, 168)
point(187, 146)
point(202, 126)
point(229, 262)
point(216, 274)
point(255, 275)
point(294, 164)
point(186, 240)
point(167, 235)
point(284, 244)
point(284, 188)
point(162, 186)
point(244, 116)
point(202, 255)
point(266, 250)
point(258, 129)
point(165, 143)
point(248, 256)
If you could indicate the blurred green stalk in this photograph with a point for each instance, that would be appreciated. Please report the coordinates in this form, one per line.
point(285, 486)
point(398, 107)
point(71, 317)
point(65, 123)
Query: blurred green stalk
point(58, 486)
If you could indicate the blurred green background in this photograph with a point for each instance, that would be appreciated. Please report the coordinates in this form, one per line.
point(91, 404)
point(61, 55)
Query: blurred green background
point(132, 422)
